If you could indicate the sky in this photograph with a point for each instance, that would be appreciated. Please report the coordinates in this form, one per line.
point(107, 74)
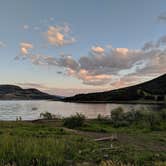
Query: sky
point(66, 47)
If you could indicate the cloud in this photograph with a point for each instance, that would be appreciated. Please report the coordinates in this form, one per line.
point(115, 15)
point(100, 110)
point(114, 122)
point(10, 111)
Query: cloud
point(25, 47)
point(122, 51)
point(36, 28)
point(40, 59)
point(26, 27)
point(59, 35)
point(97, 49)
point(2, 44)
point(89, 79)
point(151, 45)
point(32, 27)
point(111, 61)
point(51, 19)
point(66, 61)
point(103, 66)
point(129, 80)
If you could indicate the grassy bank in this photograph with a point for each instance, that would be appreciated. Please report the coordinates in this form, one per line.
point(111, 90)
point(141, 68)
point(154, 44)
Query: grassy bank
point(50, 141)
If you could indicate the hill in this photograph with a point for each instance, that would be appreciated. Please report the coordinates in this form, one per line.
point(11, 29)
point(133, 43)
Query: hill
point(12, 92)
point(154, 90)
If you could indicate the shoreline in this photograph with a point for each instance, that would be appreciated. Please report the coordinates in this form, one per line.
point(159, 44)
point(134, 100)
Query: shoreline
point(119, 102)
point(95, 102)
point(97, 137)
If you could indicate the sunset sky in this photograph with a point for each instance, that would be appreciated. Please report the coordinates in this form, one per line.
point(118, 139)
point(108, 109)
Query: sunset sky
point(66, 47)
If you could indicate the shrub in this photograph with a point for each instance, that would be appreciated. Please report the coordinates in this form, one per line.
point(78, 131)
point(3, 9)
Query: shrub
point(102, 117)
point(130, 116)
point(118, 118)
point(147, 119)
point(117, 114)
point(163, 114)
point(74, 121)
point(99, 117)
point(46, 115)
point(151, 119)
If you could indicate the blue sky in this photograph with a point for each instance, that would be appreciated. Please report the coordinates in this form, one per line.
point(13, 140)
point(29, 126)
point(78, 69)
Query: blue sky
point(83, 45)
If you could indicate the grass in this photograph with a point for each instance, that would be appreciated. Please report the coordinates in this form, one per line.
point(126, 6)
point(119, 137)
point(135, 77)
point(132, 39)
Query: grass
point(23, 142)
point(49, 143)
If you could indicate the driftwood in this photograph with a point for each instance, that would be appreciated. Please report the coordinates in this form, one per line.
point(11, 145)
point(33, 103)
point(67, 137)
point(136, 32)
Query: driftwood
point(111, 138)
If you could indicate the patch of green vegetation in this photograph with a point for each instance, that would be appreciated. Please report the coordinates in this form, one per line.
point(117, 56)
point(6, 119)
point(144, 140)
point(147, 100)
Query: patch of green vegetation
point(24, 143)
point(140, 140)
point(74, 121)
point(132, 121)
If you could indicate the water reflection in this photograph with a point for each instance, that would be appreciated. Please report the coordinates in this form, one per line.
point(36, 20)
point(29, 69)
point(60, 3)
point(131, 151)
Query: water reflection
point(30, 110)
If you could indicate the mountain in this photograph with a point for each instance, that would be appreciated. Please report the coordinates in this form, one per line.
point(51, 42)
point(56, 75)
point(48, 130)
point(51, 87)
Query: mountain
point(12, 92)
point(149, 91)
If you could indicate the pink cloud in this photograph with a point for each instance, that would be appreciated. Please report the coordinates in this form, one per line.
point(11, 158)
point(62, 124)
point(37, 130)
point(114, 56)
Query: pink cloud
point(59, 35)
point(24, 48)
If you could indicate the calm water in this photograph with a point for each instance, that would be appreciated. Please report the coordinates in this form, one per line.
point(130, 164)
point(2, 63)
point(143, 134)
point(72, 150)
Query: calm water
point(30, 110)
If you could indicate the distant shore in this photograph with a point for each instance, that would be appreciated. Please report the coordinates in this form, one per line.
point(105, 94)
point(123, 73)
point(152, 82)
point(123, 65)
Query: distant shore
point(121, 102)
point(97, 102)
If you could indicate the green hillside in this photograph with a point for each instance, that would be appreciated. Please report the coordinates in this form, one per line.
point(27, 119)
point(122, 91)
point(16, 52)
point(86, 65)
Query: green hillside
point(151, 90)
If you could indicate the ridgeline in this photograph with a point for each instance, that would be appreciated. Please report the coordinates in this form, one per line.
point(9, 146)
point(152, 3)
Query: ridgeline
point(150, 91)
point(12, 92)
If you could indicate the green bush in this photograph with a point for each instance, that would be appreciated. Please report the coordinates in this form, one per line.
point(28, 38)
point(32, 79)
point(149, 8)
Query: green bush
point(163, 114)
point(145, 119)
point(102, 118)
point(131, 116)
point(46, 115)
point(151, 119)
point(117, 117)
point(117, 114)
point(74, 121)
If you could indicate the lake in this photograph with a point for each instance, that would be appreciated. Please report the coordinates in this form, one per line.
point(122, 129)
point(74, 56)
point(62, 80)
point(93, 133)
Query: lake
point(30, 110)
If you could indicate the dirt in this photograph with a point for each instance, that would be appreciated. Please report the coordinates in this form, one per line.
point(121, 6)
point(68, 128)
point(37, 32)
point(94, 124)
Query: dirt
point(139, 141)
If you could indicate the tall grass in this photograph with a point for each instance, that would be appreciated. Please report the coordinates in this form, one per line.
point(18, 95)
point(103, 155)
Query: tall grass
point(24, 150)
point(40, 145)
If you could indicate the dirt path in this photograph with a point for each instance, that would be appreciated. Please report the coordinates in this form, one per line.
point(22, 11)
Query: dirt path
point(93, 135)
point(137, 140)
point(123, 138)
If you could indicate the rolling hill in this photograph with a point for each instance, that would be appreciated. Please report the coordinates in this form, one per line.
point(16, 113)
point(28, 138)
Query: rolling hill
point(154, 90)
point(12, 92)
